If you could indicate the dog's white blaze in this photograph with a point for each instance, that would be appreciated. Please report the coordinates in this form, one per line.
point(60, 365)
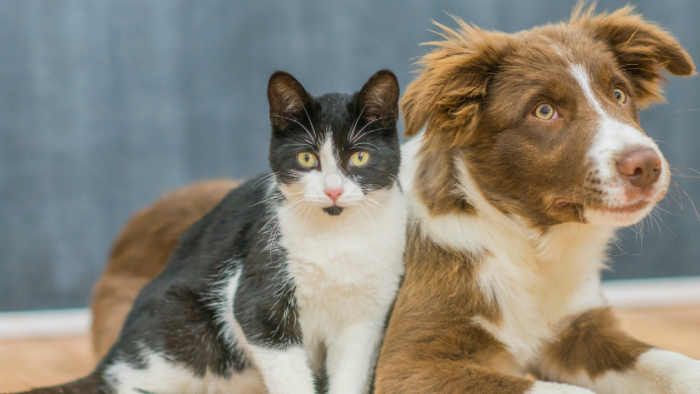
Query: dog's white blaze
point(536, 279)
point(655, 372)
point(611, 138)
point(165, 376)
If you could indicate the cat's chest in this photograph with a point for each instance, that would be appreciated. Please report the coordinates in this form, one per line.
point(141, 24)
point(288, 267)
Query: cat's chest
point(348, 271)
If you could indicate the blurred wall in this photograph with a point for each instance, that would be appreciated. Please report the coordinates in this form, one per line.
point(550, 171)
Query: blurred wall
point(104, 105)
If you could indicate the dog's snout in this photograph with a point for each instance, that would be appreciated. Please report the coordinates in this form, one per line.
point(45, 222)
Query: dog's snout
point(642, 166)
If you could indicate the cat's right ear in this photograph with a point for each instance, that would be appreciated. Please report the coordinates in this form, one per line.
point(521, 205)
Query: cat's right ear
point(289, 101)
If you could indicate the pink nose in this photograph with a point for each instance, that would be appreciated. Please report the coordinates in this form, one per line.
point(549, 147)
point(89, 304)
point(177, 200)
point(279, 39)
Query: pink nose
point(334, 194)
point(641, 166)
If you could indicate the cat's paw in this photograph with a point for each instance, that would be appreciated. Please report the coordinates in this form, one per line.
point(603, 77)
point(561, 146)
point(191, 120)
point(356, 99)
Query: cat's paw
point(556, 388)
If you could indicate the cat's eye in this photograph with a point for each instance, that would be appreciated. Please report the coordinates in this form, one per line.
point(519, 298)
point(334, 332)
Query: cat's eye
point(620, 96)
point(359, 159)
point(307, 159)
point(545, 112)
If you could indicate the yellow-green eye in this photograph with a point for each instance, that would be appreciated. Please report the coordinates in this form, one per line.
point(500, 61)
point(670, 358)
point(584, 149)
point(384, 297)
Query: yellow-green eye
point(306, 159)
point(545, 112)
point(620, 96)
point(358, 159)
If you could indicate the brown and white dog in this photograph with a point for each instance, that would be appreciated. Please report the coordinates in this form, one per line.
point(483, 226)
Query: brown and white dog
point(527, 155)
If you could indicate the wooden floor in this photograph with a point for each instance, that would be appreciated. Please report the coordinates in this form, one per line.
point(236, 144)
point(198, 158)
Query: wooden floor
point(39, 362)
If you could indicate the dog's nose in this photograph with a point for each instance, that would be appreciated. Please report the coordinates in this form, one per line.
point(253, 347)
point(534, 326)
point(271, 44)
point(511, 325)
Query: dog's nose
point(641, 166)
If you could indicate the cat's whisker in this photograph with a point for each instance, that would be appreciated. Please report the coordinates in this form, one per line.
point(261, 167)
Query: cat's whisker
point(302, 126)
point(262, 180)
point(354, 125)
point(369, 123)
point(382, 214)
point(371, 200)
point(366, 133)
point(310, 122)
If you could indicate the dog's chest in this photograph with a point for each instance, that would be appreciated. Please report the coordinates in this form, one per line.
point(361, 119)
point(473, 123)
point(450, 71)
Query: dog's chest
point(537, 292)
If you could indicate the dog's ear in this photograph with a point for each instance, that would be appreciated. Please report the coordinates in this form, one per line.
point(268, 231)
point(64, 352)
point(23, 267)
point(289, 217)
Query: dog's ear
point(641, 48)
point(378, 100)
point(289, 101)
point(448, 92)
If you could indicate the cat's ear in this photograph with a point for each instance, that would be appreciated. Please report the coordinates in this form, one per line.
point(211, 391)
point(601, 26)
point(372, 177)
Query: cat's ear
point(289, 101)
point(378, 100)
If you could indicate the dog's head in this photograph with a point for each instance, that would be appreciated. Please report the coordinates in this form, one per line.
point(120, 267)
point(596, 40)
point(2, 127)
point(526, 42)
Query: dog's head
point(546, 119)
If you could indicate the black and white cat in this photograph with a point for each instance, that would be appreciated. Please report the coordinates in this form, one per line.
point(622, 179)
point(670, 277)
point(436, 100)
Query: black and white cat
point(287, 283)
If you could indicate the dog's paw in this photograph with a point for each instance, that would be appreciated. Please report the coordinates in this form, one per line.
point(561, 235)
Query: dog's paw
point(672, 373)
point(556, 388)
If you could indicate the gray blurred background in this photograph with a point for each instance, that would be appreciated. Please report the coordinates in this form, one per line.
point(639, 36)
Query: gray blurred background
point(104, 105)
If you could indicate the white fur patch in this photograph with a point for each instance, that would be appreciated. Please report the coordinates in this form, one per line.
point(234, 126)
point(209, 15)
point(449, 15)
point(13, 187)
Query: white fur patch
point(164, 376)
point(284, 371)
point(613, 137)
point(347, 270)
point(656, 372)
point(556, 388)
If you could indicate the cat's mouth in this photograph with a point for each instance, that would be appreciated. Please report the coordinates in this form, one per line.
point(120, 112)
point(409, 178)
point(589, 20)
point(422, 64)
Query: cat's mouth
point(333, 210)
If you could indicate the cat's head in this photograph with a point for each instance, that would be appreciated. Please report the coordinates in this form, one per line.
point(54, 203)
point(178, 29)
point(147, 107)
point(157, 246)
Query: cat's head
point(336, 150)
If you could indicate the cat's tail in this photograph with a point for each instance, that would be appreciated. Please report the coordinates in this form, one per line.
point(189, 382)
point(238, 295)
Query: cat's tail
point(92, 384)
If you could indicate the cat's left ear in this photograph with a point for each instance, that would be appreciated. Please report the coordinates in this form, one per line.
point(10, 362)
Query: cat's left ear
point(289, 101)
point(378, 100)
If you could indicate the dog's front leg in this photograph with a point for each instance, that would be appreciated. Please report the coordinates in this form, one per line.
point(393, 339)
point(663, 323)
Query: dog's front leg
point(592, 352)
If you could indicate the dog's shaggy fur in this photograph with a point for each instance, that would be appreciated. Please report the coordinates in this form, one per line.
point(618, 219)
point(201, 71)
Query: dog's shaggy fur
point(141, 252)
point(511, 212)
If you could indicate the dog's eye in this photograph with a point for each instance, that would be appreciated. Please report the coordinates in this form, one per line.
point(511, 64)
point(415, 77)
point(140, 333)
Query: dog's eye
point(545, 112)
point(620, 96)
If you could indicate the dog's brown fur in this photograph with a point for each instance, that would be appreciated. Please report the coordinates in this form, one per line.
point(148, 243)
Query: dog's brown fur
point(436, 305)
point(593, 343)
point(433, 344)
point(141, 252)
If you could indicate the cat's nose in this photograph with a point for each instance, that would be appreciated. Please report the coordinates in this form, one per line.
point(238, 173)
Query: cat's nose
point(334, 186)
point(334, 194)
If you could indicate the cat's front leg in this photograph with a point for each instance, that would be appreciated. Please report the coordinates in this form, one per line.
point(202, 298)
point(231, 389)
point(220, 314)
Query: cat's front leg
point(284, 371)
point(351, 357)
point(265, 309)
point(591, 352)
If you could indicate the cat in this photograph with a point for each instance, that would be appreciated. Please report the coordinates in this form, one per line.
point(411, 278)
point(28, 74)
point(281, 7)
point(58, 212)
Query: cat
point(287, 284)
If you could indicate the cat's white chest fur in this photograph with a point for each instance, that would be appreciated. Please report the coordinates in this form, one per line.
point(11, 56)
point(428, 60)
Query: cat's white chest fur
point(346, 269)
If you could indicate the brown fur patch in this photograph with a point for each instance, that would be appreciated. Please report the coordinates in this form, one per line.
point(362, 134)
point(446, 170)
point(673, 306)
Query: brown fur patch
point(437, 184)
point(592, 342)
point(432, 345)
point(141, 252)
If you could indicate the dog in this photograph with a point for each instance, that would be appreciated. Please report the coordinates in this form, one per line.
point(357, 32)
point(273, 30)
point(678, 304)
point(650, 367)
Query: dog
point(141, 252)
point(526, 155)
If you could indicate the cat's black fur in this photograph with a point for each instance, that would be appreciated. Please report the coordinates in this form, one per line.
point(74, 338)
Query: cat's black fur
point(176, 313)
